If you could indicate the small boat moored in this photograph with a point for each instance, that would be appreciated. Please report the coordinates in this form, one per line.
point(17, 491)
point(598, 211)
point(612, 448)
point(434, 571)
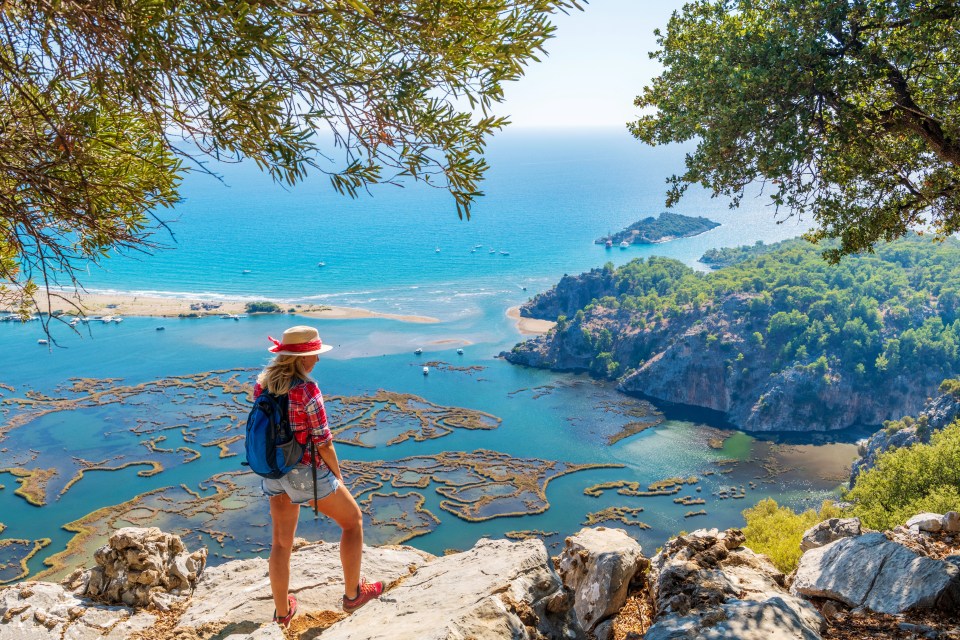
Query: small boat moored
point(418, 351)
point(161, 328)
point(459, 352)
point(42, 341)
point(426, 371)
point(624, 245)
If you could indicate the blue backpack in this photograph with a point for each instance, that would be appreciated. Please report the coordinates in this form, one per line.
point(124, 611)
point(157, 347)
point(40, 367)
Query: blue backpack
point(272, 451)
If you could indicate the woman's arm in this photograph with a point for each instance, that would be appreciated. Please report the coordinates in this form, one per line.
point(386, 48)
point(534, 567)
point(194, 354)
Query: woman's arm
point(329, 456)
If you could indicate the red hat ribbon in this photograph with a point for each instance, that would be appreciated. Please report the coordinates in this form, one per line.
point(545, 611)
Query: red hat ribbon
point(313, 345)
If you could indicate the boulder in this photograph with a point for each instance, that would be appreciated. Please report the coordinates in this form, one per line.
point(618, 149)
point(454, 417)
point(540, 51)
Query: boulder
point(951, 522)
point(706, 585)
point(597, 565)
point(47, 611)
point(139, 567)
point(828, 531)
point(873, 572)
point(498, 589)
point(931, 522)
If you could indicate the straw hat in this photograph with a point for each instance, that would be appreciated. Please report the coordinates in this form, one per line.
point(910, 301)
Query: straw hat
point(299, 341)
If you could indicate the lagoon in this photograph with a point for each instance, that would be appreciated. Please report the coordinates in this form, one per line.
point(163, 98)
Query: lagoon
point(549, 196)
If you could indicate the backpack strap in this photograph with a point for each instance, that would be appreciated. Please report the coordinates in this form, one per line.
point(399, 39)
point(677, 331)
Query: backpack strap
point(313, 466)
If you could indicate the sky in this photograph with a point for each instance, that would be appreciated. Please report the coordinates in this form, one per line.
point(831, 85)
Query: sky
point(598, 63)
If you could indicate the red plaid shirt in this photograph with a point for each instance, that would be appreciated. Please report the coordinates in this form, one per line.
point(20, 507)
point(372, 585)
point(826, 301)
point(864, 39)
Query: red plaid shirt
point(307, 416)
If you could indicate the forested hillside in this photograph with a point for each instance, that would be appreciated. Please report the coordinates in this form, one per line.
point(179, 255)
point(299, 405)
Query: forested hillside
point(780, 341)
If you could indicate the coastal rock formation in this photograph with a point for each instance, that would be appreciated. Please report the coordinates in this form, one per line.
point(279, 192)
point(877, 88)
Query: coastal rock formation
point(47, 611)
point(597, 565)
point(138, 567)
point(316, 578)
point(879, 574)
point(775, 343)
point(829, 531)
point(497, 589)
point(936, 414)
point(707, 586)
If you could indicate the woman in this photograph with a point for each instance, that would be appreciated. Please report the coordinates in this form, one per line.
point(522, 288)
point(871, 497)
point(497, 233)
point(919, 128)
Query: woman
point(289, 374)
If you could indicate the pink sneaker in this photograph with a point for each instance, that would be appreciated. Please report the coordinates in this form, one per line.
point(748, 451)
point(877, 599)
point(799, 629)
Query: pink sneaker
point(366, 592)
point(291, 611)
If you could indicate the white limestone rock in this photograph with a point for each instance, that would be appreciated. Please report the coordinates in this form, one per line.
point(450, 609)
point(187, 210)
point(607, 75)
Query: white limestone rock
point(931, 522)
point(873, 572)
point(780, 617)
point(140, 566)
point(498, 589)
point(828, 531)
point(47, 611)
point(597, 565)
point(951, 522)
point(239, 591)
point(706, 585)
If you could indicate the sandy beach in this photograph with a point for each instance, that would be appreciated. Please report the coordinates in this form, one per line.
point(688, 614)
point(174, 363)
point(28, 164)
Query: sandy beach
point(529, 326)
point(99, 304)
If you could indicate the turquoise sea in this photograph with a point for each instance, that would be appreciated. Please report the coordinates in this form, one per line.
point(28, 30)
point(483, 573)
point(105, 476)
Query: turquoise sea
point(549, 195)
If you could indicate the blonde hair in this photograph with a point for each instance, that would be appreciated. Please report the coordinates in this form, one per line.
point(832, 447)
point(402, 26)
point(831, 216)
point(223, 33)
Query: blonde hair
point(278, 376)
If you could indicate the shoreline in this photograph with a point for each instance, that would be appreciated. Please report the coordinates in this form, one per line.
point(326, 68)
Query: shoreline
point(529, 326)
point(120, 304)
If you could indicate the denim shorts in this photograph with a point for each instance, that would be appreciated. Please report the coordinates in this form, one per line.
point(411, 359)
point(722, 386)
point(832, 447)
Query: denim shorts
point(298, 484)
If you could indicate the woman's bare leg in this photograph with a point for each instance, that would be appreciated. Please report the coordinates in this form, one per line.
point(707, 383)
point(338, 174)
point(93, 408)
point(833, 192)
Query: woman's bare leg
point(284, 515)
point(342, 508)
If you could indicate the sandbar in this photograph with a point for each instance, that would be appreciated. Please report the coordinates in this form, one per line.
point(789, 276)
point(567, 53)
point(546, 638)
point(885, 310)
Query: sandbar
point(529, 326)
point(122, 304)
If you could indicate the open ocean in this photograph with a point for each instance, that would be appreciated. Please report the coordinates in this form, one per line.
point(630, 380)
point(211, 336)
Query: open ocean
point(549, 195)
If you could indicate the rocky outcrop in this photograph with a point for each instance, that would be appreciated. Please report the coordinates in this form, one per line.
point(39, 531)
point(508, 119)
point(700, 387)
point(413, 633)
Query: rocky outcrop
point(706, 585)
point(45, 611)
point(570, 295)
point(598, 565)
point(829, 531)
point(936, 414)
point(498, 589)
point(876, 573)
point(139, 567)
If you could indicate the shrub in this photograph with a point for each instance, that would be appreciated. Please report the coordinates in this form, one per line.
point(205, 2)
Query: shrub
point(910, 480)
point(776, 531)
point(262, 307)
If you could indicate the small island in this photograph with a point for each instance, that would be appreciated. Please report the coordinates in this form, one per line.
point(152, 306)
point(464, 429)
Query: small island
point(669, 226)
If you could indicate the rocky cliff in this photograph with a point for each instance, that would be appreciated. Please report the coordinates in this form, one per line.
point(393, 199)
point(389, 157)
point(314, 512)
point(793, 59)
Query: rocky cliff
point(705, 584)
point(937, 413)
point(778, 342)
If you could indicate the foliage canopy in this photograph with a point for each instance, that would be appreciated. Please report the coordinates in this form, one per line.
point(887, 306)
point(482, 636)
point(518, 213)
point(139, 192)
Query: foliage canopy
point(104, 106)
point(847, 110)
point(917, 479)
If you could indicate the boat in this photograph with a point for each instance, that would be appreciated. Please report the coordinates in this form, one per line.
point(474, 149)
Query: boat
point(418, 351)
point(161, 328)
point(608, 244)
point(118, 319)
point(459, 352)
point(74, 322)
point(42, 341)
point(437, 250)
point(478, 246)
point(106, 319)
point(321, 264)
point(426, 371)
point(492, 250)
point(624, 244)
point(247, 271)
point(504, 253)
